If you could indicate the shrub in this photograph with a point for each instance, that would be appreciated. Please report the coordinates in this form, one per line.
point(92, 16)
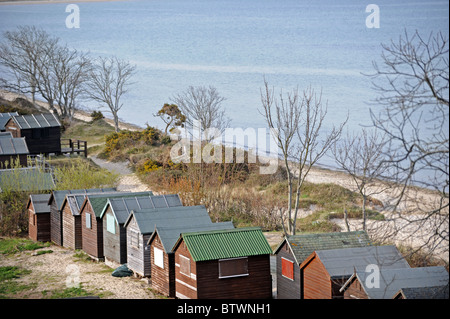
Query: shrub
point(96, 115)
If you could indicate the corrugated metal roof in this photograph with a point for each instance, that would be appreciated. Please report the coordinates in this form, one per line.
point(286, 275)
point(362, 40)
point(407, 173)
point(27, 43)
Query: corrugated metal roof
point(99, 201)
point(343, 262)
point(170, 234)
point(40, 203)
point(13, 146)
point(239, 242)
point(60, 195)
point(36, 120)
point(122, 207)
point(435, 292)
point(180, 216)
point(392, 280)
point(304, 244)
point(4, 117)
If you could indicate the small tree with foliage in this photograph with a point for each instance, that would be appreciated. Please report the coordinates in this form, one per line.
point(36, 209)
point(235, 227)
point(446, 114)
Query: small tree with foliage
point(171, 116)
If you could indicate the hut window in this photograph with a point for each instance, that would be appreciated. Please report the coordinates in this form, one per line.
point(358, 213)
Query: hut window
point(110, 224)
point(233, 267)
point(185, 266)
point(287, 268)
point(158, 257)
point(88, 220)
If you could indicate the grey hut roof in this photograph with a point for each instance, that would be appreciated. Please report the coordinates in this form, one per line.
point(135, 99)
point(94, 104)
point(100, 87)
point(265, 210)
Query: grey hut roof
point(122, 207)
point(36, 120)
point(435, 292)
point(392, 280)
point(303, 245)
point(60, 195)
point(170, 234)
point(40, 203)
point(4, 117)
point(176, 217)
point(99, 201)
point(13, 146)
point(6, 135)
point(343, 262)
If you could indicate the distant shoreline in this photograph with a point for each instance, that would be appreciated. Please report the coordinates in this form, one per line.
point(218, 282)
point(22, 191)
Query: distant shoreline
point(25, 2)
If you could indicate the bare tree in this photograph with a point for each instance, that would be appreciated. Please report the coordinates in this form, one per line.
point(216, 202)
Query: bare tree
point(301, 139)
point(25, 56)
point(361, 156)
point(109, 80)
point(203, 105)
point(413, 86)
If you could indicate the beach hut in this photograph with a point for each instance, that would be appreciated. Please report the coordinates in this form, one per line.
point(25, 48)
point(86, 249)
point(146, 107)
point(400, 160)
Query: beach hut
point(55, 201)
point(294, 249)
point(39, 217)
point(324, 272)
point(4, 117)
point(403, 283)
point(115, 214)
point(92, 223)
point(223, 264)
point(42, 132)
point(161, 242)
point(11, 149)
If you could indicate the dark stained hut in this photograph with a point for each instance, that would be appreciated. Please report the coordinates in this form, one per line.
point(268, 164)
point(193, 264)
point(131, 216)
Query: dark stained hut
point(412, 282)
point(294, 249)
point(42, 132)
point(92, 224)
point(324, 272)
point(55, 201)
point(39, 217)
point(223, 264)
point(165, 235)
point(114, 216)
point(12, 149)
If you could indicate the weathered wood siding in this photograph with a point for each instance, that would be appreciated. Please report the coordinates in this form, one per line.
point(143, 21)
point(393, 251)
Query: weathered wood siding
point(71, 228)
point(185, 285)
point(114, 245)
point(138, 257)
point(38, 225)
point(12, 127)
point(355, 291)
point(316, 283)
point(287, 288)
point(163, 279)
point(92, 238)
point(55, 224)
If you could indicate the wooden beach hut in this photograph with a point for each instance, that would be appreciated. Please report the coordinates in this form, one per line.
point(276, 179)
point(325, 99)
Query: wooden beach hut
point(4, 117)
point(224, 264)
point(324, 272)
point(12, 149)
point(42, 132)
point(92, 223)
point(39, 217)
point(423, 282)
point(162, 240)
point(294, 249)
point(114, 216)
point(55, 201)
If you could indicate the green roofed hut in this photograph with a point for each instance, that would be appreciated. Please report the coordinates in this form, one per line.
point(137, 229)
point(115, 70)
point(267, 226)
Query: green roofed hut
point(114, 216)
point(92, 224)
point(164, 237)
point(294, 249)
point(223, 264)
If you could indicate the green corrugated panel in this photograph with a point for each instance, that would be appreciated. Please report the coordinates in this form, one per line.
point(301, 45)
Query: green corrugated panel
point(98, 201)
point(239, 242)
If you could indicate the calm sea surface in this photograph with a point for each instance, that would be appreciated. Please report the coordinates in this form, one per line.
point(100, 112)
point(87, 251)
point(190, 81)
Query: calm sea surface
point(234, 44)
